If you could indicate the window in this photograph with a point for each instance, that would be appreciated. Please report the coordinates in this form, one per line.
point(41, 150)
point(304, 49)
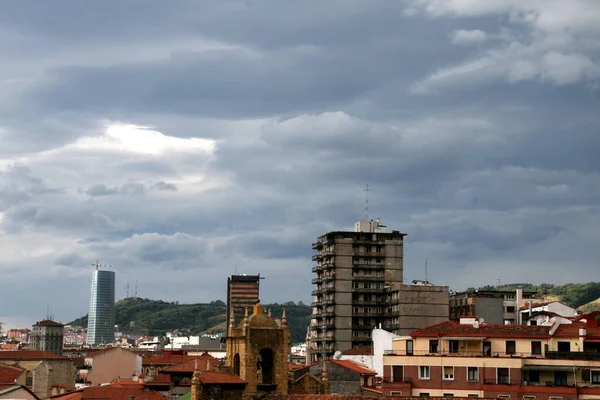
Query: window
point(396, 393)
point(448, 395)
point(564, 346)
point(367, 286)
point(453, 346)
point(355, 285)
point(487, 348)
point(503, 376)
point(533, 377)
point(28, 379)
point(560, 378)
point(510, 309)
point(433, 346)
point(472, 395)
point(585, 374)
point(422, 394)
point(409, 347)
point(536, 347)
point(595, 377)
point(533, 322)
point(504, 396)
point(473, 374)
point(424, 372)
point(529, 397)
point(509, 296)
point(397, 373)
point(355, 334)
point(511, 347)
point(555, 398)
point(448, 373)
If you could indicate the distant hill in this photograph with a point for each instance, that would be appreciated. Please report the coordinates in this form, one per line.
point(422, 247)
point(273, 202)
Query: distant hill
point(591, 306)
point(157, 317)
point(572, 294)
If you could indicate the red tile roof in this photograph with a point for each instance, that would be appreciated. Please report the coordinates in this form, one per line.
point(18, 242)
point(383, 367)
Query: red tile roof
point(359, 351)
point(47, 322)
point(9, 373)
point(294, 367)
point(159, 380)
point(356, 367)
point(172, 358)
point(220, 378)
point(204, 364)
point(120, 393)
point(572, 330)
point(29, 355)
point(452, 328)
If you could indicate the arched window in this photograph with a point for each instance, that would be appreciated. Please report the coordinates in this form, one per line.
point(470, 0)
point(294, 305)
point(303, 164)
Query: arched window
point(236, 364)
point(267, 366)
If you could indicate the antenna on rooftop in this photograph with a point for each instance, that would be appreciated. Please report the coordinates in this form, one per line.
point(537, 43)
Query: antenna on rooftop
point(499, 282)
point(135, 295)
point(426, 270)
point(97, 265)
point(127, 290)
point(367, 203)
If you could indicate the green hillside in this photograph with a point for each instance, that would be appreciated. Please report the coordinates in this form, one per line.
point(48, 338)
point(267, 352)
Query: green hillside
point(157, 317)
point(571, 294)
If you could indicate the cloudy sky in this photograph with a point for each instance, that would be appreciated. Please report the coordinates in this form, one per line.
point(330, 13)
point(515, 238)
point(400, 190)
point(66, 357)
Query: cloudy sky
point(177, 140)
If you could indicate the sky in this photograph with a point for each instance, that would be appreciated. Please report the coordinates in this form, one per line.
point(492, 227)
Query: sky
point(183, 141)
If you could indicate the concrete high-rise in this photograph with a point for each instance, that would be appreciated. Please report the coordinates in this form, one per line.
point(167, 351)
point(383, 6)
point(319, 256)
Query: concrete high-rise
point(352, 270)
point(101, 316)
point(359, 287)
point(48, 336)
point(242, 293)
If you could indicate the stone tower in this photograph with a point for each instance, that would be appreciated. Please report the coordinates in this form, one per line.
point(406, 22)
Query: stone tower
point(257, 351)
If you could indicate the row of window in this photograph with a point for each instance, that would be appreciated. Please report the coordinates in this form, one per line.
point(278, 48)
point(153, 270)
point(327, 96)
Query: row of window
point(510, 347)
point(500, 396)
point(367, 285)
point(502, 375)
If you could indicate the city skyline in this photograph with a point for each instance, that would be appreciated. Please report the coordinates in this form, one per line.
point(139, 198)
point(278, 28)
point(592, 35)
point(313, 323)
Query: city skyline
point(184, 142)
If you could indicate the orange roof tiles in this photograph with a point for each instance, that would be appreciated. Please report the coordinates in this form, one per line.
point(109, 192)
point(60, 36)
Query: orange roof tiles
point(356, 367)
point(204, 364)
point(47, 322)
point(29, 355)
point(359, 351)
point(220, 378)
point(9, 373)
point(120, 393)
point(159, 380)
point(452, 328)
point(294, 367)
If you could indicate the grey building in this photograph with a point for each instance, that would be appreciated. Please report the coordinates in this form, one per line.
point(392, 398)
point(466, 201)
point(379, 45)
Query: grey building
point(48, 336)
point(494, 306)
point(101, 316)
point(352, 270)
point(416, 306)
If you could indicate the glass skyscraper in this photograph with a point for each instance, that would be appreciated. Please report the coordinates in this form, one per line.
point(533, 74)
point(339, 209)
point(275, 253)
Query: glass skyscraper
point(101, 316)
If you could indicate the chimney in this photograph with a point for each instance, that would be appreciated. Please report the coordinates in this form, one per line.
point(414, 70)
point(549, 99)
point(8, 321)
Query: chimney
point(582, 332)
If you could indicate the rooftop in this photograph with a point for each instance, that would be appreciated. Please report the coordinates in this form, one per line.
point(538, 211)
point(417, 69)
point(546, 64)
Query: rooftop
point(452, 328)
point(29, 355)
point(47, 322)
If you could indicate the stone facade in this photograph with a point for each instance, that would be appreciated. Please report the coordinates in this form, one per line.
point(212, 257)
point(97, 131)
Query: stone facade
point(257, 351)
point(43, 374)
point(47, 336)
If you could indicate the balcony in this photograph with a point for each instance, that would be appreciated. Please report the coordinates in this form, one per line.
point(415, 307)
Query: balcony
point(328, 278)
point(317, 268)
point(368, 278)
point(380, 266)
point(317, 245)
point(324, 339)
point(366, 290)
point(368, 254)
point(573, 355)
point(363, 328)
point(317, 281)
point(316, 304)
point(316, 292)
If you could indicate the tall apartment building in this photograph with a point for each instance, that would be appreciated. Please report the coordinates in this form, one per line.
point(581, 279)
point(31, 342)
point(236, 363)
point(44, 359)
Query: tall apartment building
point(242, 293)
point(101, 315)
point(353, 268)
point(48, 336)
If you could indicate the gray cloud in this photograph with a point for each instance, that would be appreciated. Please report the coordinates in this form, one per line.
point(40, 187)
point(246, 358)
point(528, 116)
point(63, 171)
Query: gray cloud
point(200, 138)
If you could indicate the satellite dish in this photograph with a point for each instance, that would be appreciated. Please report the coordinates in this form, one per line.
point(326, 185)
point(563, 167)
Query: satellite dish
point(337, 355)
point(481, 320)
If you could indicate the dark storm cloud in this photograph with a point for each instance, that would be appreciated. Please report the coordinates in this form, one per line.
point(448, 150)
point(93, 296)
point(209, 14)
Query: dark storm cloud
point(475, 130)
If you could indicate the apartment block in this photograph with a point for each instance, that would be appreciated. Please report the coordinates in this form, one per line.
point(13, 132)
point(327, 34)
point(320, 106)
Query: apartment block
point(467, 358)
point(47, 335)
point(411, 307)
point(242, 292)
point(494, 306)
point(359, 287)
